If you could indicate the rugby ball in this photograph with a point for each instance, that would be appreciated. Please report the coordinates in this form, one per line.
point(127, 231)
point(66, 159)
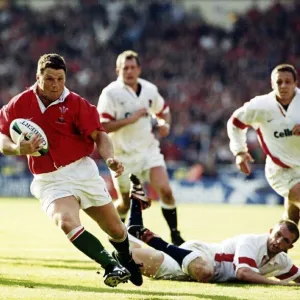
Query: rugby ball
point(19, 126)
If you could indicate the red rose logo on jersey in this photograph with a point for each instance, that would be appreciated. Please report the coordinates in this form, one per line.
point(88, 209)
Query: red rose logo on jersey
point(62, 110)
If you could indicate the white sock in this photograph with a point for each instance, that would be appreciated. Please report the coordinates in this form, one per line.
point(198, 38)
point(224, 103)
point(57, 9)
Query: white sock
point(75, 233)
point(167, 206)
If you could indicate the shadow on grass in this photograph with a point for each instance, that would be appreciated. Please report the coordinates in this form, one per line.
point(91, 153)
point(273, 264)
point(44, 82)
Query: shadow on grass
point(50, 263)
point(32, 284)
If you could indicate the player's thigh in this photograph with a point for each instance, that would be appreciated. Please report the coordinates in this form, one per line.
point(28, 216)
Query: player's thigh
point(65, 212)
point(150, 258)
point(159, 178)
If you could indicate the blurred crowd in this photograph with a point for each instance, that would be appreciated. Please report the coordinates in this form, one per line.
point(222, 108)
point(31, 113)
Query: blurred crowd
point(203, 71)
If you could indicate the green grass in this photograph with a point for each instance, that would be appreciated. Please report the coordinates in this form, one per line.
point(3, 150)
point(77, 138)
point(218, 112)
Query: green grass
point(37, 262)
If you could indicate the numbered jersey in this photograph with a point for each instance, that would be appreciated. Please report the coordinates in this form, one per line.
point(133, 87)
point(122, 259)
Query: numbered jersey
point(117, 101)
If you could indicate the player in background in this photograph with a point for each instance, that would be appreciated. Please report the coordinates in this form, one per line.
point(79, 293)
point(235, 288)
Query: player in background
point(276, 119)
point(66, 179)
point(126, 107)
point(252, 258)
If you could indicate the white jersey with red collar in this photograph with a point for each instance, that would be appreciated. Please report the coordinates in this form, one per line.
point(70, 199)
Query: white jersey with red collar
point(247, 250)
point(273, 125)
point(117, 101)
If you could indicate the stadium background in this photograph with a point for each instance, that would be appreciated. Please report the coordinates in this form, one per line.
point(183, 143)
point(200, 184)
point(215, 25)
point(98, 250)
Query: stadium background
point(207, 59)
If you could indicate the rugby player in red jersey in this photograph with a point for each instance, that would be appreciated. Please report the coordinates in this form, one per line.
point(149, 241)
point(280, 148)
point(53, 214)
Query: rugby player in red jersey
point(66, 179)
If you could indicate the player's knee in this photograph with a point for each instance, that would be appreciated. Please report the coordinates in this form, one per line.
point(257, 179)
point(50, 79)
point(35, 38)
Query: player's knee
point(117, 232)
point(201, 270)
point(167, 194)
point(65, 221)
point(124, 202)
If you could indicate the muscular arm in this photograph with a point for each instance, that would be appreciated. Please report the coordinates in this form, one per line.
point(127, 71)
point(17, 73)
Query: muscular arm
point(7, 146)
point(246, 274)
point(23, 147)
point(115, 125)
point(104, 144)
point(106, 150)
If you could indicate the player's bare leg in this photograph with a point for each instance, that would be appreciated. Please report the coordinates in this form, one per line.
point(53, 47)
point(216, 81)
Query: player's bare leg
point(122, 204)
point(149, 258)
point(160, 181)
point(65, 213)
point(292, 205)
point(152, 259)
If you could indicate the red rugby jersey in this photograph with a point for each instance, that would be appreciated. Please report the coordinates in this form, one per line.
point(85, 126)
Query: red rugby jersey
point(67, 124)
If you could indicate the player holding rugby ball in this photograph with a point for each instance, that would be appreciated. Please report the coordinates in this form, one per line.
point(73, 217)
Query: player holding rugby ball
point(66, 179)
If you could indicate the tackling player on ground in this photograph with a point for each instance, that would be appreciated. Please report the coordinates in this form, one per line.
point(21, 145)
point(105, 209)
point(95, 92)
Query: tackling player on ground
point(253, 258)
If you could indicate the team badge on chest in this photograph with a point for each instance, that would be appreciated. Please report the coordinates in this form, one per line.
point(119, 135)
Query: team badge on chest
point(62, 110)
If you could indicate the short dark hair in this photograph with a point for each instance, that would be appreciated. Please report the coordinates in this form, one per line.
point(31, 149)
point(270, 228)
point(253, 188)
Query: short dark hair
point(285, 68)
point(128, 54)
point(51, 60)
point(292, 227)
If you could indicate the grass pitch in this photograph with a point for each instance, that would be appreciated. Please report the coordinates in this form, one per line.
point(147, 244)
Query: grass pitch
point(37, 262)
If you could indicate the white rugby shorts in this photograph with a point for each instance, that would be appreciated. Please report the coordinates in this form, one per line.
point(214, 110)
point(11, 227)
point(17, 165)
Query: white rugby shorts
point(80, 179)
point(138, 163)
point(171, 270)
point(281, 179)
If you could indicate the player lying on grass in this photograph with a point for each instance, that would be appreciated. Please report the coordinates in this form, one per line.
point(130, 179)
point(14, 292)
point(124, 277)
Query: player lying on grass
point(251, 258)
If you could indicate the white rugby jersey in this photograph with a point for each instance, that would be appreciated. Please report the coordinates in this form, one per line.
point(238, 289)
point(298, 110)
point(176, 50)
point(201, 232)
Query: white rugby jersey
point(273, 125)
point(117, 101)
point(250, 251)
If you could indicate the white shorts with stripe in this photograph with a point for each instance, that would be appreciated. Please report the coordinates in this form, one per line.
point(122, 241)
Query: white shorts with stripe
point(80, 179)
point(281, 179)
point(138, 163)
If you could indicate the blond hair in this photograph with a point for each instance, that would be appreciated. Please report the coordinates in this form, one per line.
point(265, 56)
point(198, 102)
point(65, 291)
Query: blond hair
point(128, 54)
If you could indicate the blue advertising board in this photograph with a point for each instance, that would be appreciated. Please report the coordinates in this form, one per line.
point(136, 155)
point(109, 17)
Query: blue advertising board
point(226, 187)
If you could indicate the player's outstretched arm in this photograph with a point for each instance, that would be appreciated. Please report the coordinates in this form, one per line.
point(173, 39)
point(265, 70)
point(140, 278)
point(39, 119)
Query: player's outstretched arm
point(246, 274)
point(7, 146)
